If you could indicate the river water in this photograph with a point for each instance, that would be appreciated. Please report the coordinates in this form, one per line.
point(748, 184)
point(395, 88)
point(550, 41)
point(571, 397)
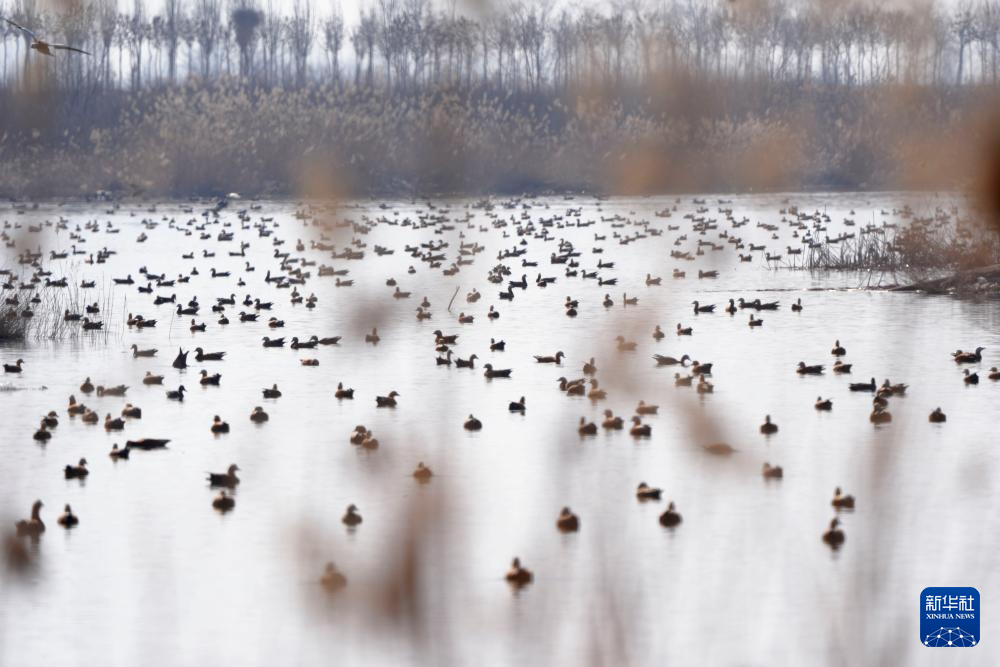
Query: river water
point(153, 575)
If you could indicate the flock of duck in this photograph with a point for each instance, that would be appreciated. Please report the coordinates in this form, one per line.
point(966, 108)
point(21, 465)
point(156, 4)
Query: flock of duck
point(292, 270)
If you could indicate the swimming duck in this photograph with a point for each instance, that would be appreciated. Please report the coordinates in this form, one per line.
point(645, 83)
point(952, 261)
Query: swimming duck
point(223, 502)
point(607, 303)
point(258, 416)
point(518, 575)
point(880, 415)
point(332, 580)
point(277, 342)
point(51, 420)
point(670, 517)
point(113, 424)
point(755, 322)
point(359, 434)
point(177, 395)
point(227, 479)
point(351, 517)
point(557, 359)
point(152, 379)
point(864, 386)
point(201, 355)
point(841, 367)
point(698, 308)
point(968, 357)
point(646, 492)
point(14, 368)
point(472, 424)
point(772, 472)
point(590, 367)
point(147, 443)
point(574, 388)
point(629, 302)
point(386, 401)
point(704, 386)
point(273, 392)
point(586, 428)
point(970, 378)
point(213, 379)
point(889, 389)
point(136, 352)
point(78, 471)
point(994, 374)
point(640, 430)
point(116, 453)
point(683, 380)
point(195, 327)
point(937, 417)
point(658, 333)
point(823, 404)
point(491, 373)
point(644, 409)
point(683, 331)
point(89, 417)
point(497, 345)
point(34, 526)
point(834, 536)
point(180, 361)
point(422, 473)
point(731, 308)
point(517, 406)
point(611, 421)
point(841, 501)
point(68, 519)
point(797, 306)
point(373, 337)
point(809, 370)
point(838, 350)
point(662, 360)
point(42, 434)
point(87, 386)
point(767, 428)
point(567, 521)
point(596, 393)
point(219, 426)
point(112, 391)
point(625, 345)
point(343, 393)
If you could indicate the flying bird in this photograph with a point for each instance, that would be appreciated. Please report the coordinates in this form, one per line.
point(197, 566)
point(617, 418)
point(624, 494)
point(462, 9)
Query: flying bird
point(45, 47)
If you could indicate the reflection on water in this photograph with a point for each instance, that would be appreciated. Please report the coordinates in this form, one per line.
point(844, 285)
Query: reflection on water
point(152, 570)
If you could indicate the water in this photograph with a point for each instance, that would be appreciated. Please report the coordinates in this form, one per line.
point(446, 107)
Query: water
point(154, 575)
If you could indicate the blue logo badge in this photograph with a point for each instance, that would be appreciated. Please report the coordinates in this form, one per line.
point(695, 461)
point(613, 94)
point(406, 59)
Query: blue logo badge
point(949, 617)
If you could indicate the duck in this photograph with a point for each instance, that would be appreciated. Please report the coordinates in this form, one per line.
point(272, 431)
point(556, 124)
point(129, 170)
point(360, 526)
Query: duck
point(195, 327)
point(112, 391)
point(607, 303)
point(671, 517)
point(718, 449)
point(937, 417)
point(698, 308)
point(841, 501)
point(359, 434)
point(89, 417)
point(472, 424)
point(638, 429)
point(704, 386)
point(759, 322)
point(646, 492)
point(51, 420)
point(970, 378)
point(113, 424)
point(834, 536)
point(136, 352)
point(351, 516)
point(557, 359)
point(388, 401)
point(201, 355)
point(332, 580)
point(373, 337)
point(731, 308)
point(34, 526)
point(78, 471)
point(215, 379)
point(767, 428)
point(574, 388)
point(517, 406)
point(994, 374)
point(273, 392)
point(824, 404)
point(68, 519)
point(611, 421)
point(590, 368)
point(863, 386)
point(75, 408)
point(567, 522)
point(518, 575)
point(422, 473)
point(841, 367)
point(683, 380)
point(497, 345)
point(177, 395)
point(491, 314)
point(880, 415)
point(180, 361)
point(838, 350)
point(149, 378)
point(369, 441)
point(219, 426)
point(968, 357)
point(277, 342)
point(772, 472)
point(634, 301)
point(223, 502)
point(658, 333)
point(42, 434)
point(258, 416)
point(227, 479)
point(646, 409)
point(803, 369)
point(491, 372)
point(342, 393)
point(148, 443)
point(662, 360)
point(596, 393)
point(86, 387)
point(625, 345)
point(586, 428)
point(117, 453)
point(797, 306)
point(684, 331)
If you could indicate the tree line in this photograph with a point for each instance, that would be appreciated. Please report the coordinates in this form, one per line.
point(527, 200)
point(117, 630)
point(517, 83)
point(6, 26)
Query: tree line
point(523, 45)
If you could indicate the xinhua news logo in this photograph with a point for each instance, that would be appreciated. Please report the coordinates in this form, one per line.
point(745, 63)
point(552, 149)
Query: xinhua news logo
point(949, 617)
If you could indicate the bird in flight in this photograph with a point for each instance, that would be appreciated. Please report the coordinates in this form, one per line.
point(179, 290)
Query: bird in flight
point(43, 47)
